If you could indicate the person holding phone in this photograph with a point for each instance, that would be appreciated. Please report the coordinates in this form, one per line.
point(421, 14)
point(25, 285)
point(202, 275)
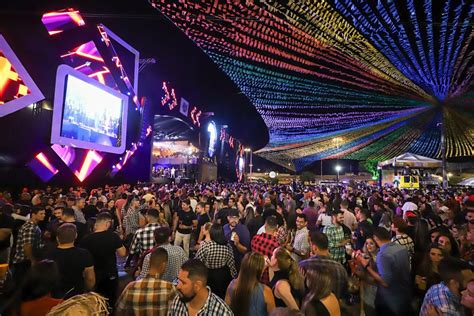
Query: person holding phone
point(238, 236)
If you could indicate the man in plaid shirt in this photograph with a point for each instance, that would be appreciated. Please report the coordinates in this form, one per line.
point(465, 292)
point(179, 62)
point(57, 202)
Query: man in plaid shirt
point(132, 219)
point(335, 234)
point(194, 296)
point(399, 227)
point(144, 239)
point(321, 259)
point(266, 243)
point(176, 255)
point(445, 297)
point(150, 295)
point(28, 241)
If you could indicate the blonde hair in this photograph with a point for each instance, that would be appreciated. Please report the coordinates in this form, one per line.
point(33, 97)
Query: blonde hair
point(287, 263)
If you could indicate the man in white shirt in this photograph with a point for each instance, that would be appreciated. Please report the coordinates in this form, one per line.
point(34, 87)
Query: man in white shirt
point(324, 219)
point(301, 247)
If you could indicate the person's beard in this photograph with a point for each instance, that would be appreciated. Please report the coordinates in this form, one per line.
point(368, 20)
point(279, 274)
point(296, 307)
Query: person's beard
point(186, 299)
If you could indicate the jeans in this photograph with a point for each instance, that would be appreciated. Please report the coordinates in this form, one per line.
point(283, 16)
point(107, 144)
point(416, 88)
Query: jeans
point(183, 238)
point(107, 286)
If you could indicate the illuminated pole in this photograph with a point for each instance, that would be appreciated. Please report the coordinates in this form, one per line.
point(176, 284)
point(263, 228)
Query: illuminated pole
point(251, 162)
point(249, 150)
point(338, 168)
point(443, 155)
point(321, 169)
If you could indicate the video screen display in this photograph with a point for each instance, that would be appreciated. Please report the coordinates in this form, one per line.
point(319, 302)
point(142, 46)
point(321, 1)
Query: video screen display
point(91, 114)
point(88, 114)
point(212, 130)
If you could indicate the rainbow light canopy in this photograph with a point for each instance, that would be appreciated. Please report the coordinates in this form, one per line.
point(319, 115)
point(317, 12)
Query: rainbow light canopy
point(364, 80)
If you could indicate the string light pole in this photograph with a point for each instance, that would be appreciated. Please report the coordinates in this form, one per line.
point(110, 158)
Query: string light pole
point(249, 150)
point(443, 155)
point(338, 169)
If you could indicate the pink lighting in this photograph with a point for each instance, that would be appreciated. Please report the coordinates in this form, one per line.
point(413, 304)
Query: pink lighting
point(17, 88)
point(87, 50)
point(46, 163)
point(59, 21)
point(90, 162)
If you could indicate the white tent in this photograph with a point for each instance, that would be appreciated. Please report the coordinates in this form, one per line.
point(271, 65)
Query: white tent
point(411, 160)
point(467, 182)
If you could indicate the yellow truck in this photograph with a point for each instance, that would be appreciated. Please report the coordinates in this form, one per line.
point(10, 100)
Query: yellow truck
point(409, 182)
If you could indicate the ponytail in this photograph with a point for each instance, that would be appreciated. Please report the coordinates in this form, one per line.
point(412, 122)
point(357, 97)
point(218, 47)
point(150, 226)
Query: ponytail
point(288, 263)
point(295, 277)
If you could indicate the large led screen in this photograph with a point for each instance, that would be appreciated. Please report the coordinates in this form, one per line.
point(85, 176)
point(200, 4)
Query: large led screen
point(88, 114)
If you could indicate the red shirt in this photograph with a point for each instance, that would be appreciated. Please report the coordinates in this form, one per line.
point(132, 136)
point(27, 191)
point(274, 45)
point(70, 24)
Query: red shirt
point(265, 244)
point(39, 307)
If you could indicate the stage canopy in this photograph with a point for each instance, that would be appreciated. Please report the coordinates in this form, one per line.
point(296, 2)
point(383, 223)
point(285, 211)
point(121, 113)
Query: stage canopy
point(364, 80)
point(411, 160)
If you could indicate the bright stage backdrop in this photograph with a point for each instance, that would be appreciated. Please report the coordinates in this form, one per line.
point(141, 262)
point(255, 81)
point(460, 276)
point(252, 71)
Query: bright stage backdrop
point(344, 79)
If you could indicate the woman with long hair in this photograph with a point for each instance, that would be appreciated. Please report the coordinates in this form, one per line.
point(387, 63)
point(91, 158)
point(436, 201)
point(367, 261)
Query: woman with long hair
point(204, 236)
point(249, 214)
point(241, 205)
point(427, 273)
point(246, 295)
point(285, 279)
point(449, 244)
point(320, 300)
point(368, 287)
point(34, 295)
point(218, 257)
point(282, 232)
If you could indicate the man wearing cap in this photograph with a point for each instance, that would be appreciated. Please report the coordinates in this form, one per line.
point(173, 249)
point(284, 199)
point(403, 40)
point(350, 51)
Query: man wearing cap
point(409, 206)
point(238, 236)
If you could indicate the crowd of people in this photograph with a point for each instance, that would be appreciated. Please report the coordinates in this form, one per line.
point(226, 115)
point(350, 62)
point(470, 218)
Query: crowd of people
point(237, 249)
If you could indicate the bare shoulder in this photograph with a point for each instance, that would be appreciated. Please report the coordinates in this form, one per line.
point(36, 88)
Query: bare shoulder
point(332, 305)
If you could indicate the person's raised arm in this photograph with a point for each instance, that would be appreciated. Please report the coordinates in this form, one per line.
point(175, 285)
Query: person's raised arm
point(374, 274)
point(241, 248)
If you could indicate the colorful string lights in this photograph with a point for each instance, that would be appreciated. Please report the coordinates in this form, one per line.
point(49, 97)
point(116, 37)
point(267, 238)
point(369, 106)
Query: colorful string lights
point(379, 75)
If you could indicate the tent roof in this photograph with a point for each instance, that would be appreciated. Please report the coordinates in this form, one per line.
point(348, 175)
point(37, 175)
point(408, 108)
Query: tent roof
point(411, 160)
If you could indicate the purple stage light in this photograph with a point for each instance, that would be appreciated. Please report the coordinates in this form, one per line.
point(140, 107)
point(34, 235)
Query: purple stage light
point(42, 167)
point(66, 153)
point(17, 88)
point(59, 21)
